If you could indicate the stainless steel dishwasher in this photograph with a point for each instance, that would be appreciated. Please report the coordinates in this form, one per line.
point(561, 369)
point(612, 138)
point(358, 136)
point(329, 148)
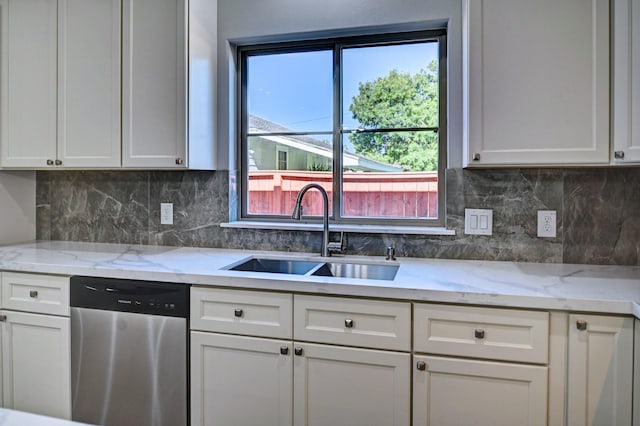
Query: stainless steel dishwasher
point(129, 344)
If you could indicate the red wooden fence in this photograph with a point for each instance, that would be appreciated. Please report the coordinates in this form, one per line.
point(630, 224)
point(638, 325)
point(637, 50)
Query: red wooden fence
point(405, 194)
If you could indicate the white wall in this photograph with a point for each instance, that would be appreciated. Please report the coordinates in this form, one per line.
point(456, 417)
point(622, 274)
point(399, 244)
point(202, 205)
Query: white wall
point(241, 21)
point(17, 206)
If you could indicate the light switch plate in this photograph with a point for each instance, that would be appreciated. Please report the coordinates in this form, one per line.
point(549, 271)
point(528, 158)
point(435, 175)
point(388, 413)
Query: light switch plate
point(478, 221)
point(166, 213)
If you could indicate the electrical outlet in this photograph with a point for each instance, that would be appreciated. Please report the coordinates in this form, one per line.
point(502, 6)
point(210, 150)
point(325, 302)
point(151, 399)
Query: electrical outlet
point(547, 223)
point(166, 213)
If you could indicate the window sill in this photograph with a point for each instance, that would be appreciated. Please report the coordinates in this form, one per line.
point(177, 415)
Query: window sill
point(363, 229)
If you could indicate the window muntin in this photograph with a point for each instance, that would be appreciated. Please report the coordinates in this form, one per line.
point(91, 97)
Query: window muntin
point(375, 170)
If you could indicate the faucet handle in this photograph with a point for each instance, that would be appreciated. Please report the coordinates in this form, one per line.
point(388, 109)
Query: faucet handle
point(338, 247)
point(391, 253)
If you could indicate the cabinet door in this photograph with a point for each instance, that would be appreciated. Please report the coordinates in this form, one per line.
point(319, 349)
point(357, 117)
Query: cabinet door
point(36, 364)
point(451, 391)
point(626, 82)
point(28, 83)
point(636, 376)
point(348, 386)
point(240, 380)
point(536, 82)
point(154, 85)
point(89, 83)
point(600, 370)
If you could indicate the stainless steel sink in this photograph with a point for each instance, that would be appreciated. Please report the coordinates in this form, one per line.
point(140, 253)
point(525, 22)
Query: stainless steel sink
point(357, 270)
point(276, 266)
point(319, 268)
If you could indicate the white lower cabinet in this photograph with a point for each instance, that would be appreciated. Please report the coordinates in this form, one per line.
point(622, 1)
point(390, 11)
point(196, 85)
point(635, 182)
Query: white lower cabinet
point(636, 375)
point(36, 364)
point(36, 349)
point(271, 380)
point(350, 386)
point(239, 380)
point(452, 391)
point(461, 378)
point(600, 378)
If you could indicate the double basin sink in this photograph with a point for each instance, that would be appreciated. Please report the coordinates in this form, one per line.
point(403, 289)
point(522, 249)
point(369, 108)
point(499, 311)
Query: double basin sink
point(319, 269)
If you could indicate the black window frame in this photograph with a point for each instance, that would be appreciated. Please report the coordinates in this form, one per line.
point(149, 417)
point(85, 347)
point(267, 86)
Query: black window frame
point(337, 44)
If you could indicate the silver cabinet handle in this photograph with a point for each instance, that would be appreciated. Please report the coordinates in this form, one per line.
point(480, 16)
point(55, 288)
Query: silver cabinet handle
point(179, 161)
point(297, 351)
point(49, 162)
point(3, 318)
point(421, 365)
point(238, 313)
point(581, 325)
point(58, 162)
point(476, 157)
point(479, 333)
point(348, 323)
point(33, 293)
point(284, 350)
point(618, 155)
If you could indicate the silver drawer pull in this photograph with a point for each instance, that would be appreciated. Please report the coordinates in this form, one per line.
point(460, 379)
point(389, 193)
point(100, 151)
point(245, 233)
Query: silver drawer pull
point(238, 313)
point(581, 325)
point(421, 365)
point(348, 323)
point(33, 293)
point(284, 350)
point(3, 318)
point(297, 351)
point(479, 333)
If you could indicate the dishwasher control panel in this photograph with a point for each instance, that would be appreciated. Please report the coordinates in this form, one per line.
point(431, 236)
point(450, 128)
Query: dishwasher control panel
point(145, 297)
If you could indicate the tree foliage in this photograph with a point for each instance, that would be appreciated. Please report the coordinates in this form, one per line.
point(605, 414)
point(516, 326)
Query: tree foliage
point(399, 100)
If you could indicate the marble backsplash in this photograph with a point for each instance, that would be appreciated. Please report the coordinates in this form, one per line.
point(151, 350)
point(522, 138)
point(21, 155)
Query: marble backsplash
point(598, 214)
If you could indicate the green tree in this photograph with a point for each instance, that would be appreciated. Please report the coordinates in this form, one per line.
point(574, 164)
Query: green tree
point(399, 100)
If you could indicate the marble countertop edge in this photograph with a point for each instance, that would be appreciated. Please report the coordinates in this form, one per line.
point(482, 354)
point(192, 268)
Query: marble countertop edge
point(565, 287)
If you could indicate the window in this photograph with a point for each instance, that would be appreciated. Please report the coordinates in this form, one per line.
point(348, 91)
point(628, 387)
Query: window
point(282, 159)
point(363, 116)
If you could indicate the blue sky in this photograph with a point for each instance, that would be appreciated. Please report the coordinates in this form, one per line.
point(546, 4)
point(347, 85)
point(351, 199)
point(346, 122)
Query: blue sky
point(295, 89)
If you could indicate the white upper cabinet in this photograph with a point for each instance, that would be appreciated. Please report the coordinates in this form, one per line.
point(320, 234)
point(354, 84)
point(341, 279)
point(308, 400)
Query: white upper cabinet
point(28, 95)
point(536, 82)
point(159, 129)
point(626, 82)
point(154, 86)
point(60, 83)
point(89, 83)
point(103, 83)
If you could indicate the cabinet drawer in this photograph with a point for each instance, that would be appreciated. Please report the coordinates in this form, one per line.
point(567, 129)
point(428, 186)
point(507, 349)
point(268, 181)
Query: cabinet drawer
point(352, 322)
point(241, 312)
point(43, 294)
point(502, 334)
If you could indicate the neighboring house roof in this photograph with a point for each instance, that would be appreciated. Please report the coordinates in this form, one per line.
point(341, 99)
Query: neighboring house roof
point(350, 160)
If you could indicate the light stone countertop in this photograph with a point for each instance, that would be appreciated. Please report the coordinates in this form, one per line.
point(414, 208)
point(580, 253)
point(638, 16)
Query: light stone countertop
point(586, 288)
point(19, 418)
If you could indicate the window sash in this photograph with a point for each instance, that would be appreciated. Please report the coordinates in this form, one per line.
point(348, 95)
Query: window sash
point(337, 45)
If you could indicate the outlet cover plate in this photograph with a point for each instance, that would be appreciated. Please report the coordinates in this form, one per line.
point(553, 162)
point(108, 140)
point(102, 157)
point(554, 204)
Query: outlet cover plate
point(547, 223)
point(166, 213)
point(478, 221)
